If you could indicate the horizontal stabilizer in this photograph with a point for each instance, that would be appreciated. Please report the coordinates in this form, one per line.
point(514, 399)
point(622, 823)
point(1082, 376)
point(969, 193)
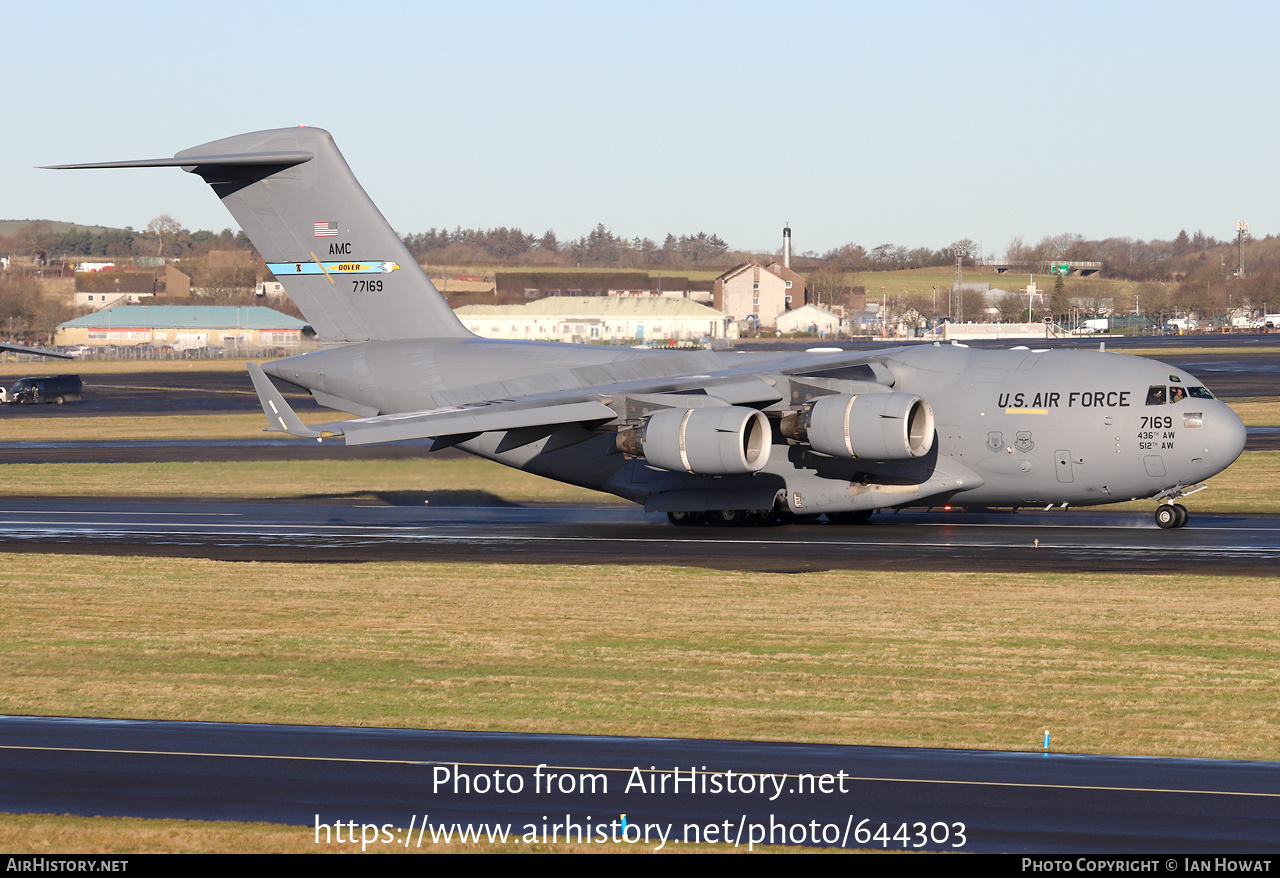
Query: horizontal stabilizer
point(43, 352)
point(287, 159)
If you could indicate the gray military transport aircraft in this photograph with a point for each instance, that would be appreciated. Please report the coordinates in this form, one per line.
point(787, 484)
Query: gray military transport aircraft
point(722, 438)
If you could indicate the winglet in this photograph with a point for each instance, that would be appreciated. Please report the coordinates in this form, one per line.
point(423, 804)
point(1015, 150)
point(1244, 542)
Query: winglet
point(280, 417)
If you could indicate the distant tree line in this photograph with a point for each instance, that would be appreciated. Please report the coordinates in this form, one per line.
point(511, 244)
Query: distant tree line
point(26, 313)
point(1202, 266)
point(600, 248)
point(164, 236)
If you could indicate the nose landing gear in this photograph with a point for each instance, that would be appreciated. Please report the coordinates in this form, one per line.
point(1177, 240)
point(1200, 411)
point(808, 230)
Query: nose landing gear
point(1172, 515)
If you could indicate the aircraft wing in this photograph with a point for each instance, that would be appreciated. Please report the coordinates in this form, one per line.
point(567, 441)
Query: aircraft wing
point(43, 352)
point(455, 424)
point(529, 418)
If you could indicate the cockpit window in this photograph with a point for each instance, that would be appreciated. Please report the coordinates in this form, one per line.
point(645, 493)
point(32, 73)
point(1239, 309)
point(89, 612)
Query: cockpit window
point(1156, 396)
point(1177, 394)
point(1200, 393)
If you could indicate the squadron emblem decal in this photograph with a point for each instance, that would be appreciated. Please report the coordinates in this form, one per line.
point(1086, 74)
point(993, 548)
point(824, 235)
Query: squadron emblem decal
point(282, 268)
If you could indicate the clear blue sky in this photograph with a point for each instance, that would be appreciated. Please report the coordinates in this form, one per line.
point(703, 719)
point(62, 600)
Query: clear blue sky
point(906, 123)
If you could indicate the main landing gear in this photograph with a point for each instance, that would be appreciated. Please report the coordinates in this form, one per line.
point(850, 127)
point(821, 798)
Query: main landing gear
point(1171, 515)
point(761, 517)
point(724, 517)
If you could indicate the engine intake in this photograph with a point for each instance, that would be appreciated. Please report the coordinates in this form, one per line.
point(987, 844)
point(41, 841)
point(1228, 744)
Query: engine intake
point(711, 440)
point(870, 426)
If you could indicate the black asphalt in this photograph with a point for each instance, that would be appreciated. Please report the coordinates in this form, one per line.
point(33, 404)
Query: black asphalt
point(731, 792)
point(325, 530)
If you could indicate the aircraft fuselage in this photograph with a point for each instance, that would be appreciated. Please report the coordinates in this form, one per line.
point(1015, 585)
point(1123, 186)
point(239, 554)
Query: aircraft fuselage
point(1013, 427)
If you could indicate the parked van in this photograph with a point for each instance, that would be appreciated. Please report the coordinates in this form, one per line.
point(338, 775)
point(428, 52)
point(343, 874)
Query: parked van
point(1092, 326)
point(55, 389)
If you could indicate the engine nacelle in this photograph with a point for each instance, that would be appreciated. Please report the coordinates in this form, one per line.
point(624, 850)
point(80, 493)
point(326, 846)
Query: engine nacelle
point(871, 426)
point(711, 440)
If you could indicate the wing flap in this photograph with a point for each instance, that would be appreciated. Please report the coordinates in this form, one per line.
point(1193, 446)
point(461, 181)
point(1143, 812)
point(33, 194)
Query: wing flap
point(524, 421)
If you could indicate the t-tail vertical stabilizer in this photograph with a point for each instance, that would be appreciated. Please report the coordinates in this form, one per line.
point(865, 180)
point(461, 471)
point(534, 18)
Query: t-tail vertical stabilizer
point(292, 192)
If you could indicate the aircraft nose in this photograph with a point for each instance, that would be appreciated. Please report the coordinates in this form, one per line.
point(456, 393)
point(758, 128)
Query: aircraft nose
point(1223, 435)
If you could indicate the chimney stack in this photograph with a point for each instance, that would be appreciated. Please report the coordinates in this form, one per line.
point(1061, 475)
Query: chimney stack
point(786, 245)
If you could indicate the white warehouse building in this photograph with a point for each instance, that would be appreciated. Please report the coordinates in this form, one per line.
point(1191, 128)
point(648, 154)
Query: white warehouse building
point(596, 319)
point(809, 318)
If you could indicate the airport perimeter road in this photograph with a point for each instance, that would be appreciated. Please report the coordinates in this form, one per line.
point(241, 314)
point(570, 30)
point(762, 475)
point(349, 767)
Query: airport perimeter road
point(380, 783)
point(266, 531)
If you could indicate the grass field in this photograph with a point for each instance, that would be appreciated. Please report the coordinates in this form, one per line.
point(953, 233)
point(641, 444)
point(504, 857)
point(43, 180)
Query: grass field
point(98, 367)
point(454, 481)
point(1111, 664)
point(1143, 665)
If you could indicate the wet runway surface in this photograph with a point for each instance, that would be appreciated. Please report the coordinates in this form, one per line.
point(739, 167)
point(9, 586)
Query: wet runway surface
point(674, 791)
point(273, 531)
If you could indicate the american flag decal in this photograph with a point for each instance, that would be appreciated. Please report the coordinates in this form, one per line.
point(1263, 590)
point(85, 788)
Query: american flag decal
point(326, 230)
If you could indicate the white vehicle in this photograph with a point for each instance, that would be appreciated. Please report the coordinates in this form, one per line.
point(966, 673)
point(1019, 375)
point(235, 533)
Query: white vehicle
point(1092, 326)
point(1179, 325)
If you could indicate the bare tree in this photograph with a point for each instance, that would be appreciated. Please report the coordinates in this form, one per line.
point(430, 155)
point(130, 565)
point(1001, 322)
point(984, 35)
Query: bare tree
point(164, 226)
point(1017, 251)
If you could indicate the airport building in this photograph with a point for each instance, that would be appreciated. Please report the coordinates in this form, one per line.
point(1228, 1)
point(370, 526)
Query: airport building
point(185, 327)
point(596, 319)
point(810, 318)
point(755, 295)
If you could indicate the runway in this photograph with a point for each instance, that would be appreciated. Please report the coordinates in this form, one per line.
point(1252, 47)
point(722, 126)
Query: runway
point(978, 541)
point(404, 786)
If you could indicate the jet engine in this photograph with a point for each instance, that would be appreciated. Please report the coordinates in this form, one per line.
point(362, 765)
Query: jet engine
point(711, 440)
point(871, 426)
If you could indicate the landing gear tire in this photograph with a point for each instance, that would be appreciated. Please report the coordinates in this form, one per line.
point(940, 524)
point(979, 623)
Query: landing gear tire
point(1183, 515)
point(862, 516)
point(727, 517)
point(1167, 516)
point(684, 519)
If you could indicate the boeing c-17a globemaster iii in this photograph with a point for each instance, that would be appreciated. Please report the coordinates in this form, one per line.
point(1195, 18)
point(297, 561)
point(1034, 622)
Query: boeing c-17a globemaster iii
point(701, 435)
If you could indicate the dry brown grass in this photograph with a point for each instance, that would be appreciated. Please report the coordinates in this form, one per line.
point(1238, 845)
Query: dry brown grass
point(98, 367)
point(1112, 664)
point(1257, 411)
point(45, 834)
point(448, 481)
